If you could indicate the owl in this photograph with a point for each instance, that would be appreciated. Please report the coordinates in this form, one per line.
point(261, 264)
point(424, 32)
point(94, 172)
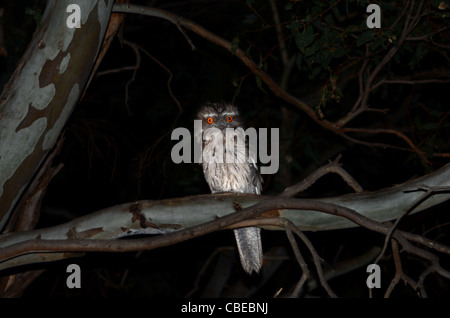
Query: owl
point(238, 175)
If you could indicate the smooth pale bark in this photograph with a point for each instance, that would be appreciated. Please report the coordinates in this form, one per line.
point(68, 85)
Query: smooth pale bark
point(165, 216)
point(43, 91)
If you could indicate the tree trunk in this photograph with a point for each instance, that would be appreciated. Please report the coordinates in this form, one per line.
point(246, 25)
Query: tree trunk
point(43, 91)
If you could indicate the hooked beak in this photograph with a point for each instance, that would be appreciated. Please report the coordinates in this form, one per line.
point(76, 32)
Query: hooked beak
point(222, 125)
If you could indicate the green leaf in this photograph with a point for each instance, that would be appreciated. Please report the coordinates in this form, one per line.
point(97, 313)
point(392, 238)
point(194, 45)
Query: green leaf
point(338, 52)
point(305, 38)
point(379, 41)
point(315, 72)
point(365, 37)
point(295, 24)
point(310, 51)
point(352, 29)
point(323, 58)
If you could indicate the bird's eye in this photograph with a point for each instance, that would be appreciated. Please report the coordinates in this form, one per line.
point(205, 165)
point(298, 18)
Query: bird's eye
point(229, 119)
point(210, 120)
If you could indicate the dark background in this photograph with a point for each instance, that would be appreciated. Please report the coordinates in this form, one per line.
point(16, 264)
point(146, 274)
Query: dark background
point(117, 144)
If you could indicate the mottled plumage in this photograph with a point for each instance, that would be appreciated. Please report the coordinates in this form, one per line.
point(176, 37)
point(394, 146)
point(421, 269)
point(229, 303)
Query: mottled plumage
point(240, 176)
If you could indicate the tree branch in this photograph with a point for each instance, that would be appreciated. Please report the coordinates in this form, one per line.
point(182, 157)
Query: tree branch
point(41, 94)
point(332, 167)
point(186, 218)
point(366, 88)
point(239, 53)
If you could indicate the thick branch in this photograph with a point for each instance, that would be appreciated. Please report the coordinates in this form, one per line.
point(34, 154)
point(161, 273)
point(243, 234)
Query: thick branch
point(199, 215)
point(41, 94)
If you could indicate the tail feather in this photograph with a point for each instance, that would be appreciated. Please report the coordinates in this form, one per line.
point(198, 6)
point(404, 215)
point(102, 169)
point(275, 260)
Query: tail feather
point(249, 245)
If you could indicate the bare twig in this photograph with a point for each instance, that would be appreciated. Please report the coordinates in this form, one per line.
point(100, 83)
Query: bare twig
point(400, 135)
point(429, 191)
point(420, 284)
point(411, 82)
point(169, 80)
point(136, 67)
point(188, 40)
point(136, 48)
point(317, 261)
point(116, 70)
point(300, 260)
point(203, 269)
point(399, 274)
point(239, 53)
point(366, 88)
point(331, 167)
point(360, 105)
point(347, 266)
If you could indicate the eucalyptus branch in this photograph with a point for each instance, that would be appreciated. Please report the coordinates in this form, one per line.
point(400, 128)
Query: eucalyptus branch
point(279, 89)
point(411, 82)
point(239, 53)
point(280, 37)
point(301, 261)
point(41, 248)
point(317, 261)
point(400, 135)
point(186, 218)
point(428, 192)
point(361, 104)
point(399, 274)
point(332, 167)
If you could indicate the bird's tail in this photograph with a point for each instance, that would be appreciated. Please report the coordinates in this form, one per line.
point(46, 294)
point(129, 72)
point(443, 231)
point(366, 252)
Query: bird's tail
point(248, 241)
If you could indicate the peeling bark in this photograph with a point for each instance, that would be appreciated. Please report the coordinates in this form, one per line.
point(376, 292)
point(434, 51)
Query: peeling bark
point(43, 91)
point(173, 215)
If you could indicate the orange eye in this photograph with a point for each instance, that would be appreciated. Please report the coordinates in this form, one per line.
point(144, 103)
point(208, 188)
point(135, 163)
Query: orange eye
point(209, 120)
point(229, 119)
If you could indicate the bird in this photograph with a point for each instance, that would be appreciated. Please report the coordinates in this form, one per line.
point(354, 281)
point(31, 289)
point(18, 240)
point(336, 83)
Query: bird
point(236, 176)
